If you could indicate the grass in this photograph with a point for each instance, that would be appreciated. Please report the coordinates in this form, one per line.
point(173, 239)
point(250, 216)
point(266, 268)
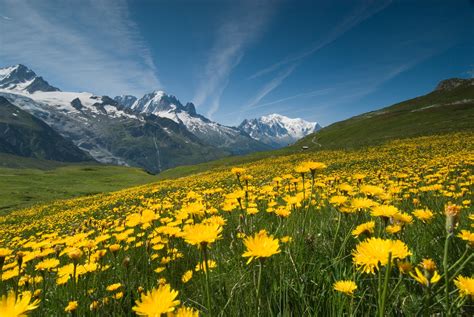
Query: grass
point(146, 225)
point(40, 181)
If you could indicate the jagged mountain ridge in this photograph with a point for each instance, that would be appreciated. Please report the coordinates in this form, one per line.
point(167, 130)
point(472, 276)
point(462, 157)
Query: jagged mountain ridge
point(159, 103)
point(24, 135)
point(156, 136)
point(277, 130)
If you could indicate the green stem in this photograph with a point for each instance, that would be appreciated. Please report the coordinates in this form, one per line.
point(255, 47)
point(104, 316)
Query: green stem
point(259, 280)
point(206, 273)
point(337, 231)
point(385, 285)
point(446, 273)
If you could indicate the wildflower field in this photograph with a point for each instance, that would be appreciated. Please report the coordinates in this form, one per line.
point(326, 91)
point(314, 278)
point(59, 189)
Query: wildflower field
point(380, 231)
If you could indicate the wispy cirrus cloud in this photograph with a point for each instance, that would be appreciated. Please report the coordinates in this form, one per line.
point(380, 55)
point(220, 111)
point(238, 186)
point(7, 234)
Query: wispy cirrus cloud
point(237, 31)
point(360, 14)
point(85, 45)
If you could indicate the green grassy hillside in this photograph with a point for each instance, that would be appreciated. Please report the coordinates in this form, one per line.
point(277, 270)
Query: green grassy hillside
point(33, 181)
point(450, 108)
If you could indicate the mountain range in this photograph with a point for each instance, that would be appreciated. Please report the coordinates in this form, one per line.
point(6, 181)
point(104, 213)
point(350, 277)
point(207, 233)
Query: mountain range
point(154, 132)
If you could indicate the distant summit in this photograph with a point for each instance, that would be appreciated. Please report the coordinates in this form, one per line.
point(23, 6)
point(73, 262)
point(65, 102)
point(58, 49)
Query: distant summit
point(277, 130)
point(20, 77)
point(452, 83)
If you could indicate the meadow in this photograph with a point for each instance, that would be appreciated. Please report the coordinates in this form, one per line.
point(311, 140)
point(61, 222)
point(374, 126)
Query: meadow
point(379, 231)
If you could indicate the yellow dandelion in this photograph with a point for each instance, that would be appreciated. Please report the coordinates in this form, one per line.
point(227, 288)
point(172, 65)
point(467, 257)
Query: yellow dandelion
point(202, 234)
point(71, 306)
point(425, 279)
point(346, 287)
point(261, 245)
point(385, 211)
point(365, 228)
point(373, 252)
point(156, 302)
point(113, 287)
point(11, 306)
point(465, 286)
point(467, 236)
point(47, 265)
point(425, 215)
point(187, 276)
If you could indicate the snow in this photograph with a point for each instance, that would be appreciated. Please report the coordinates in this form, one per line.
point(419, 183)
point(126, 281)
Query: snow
point(5, 72)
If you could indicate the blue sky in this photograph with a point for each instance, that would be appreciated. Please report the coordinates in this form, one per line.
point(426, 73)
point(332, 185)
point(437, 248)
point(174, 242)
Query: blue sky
point(318, 60)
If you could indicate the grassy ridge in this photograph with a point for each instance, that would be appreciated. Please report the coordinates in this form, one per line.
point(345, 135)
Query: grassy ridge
point(33, 181)
point(439, 112)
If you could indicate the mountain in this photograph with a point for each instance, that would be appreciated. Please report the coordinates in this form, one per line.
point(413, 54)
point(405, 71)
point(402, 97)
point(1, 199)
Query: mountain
point(160, 104)
point(24, 135)
point(19, 77)
point(277, 130)
point(449, 108)
point(154, 132)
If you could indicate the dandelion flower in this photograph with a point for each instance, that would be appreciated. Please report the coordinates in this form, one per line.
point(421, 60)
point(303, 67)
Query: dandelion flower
point(373, 252)
point(425, 279)
point(47, 265)
point(71, 306)
point(156, 302)
point(185, 312)
point(365, 228)
point(261, 245)
point(346, 287)
point(12, 306)
point(465, 285)
point(113, 287)
point(187, 276)
point(384, 211)
point(424, 215)
point(467, 236)
point(202, 234)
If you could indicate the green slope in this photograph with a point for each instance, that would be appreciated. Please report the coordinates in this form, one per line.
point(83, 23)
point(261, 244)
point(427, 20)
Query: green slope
point(25, 135)
point(33, 181)
point(449, 108)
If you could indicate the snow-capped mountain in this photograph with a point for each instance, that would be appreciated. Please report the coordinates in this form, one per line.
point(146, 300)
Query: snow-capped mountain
point(162, 105)
point(154, 132)
point(20, 78)
point(277, 130)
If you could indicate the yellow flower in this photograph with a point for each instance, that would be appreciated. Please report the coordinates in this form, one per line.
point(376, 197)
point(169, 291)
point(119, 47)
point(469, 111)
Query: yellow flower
point(75, 254)
point(424, 215)
point(187, 276)
point(185, 312)
point(465, 285)
point(113, 287)
point(467, 236)
point(373, 252)
point(425, 279)
point(202, 234)
point(237, 171)
point(261, 245)
point(71, 306)
point(385, 211)
point(392, 229)
point(47, 264)
point(365, 228)
point(11, 306)
point(338, 200)
point(201, 265)
point(346, 287)
point(404, 267)
point(156, 302)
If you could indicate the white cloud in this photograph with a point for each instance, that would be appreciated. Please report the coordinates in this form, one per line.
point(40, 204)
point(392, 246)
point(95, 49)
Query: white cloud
point(362, 13)
point(86, 45)
point(270, 86)
point(234, 35)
